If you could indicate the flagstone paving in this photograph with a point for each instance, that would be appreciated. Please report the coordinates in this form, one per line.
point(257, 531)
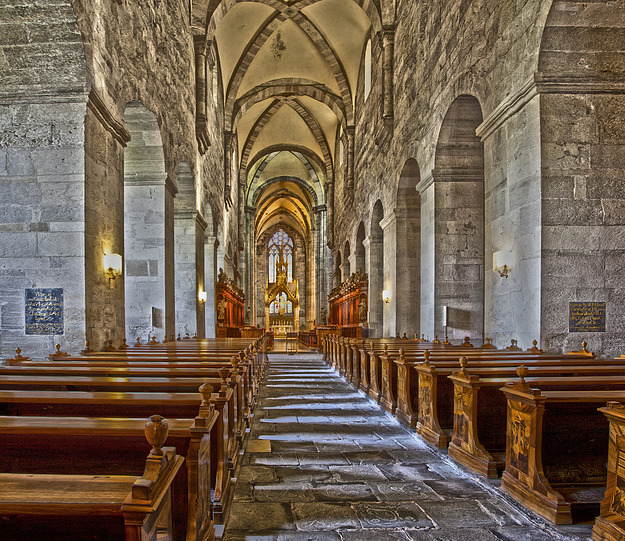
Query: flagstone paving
point(324, 463)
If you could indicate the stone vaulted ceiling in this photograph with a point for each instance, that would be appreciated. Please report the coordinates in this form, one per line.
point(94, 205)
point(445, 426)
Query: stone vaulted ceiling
point(289, 70)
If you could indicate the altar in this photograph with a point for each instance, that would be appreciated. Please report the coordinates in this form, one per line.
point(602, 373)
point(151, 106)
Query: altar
point(279, 331)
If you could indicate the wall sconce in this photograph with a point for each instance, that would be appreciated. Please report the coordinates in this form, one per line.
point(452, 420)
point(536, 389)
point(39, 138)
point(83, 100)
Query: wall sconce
point(502, 262)
point(112, 265)
point(386, 296)
point(202, 296)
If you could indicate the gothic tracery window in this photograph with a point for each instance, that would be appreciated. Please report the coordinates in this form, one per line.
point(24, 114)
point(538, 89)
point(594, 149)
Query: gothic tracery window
point(280, 244)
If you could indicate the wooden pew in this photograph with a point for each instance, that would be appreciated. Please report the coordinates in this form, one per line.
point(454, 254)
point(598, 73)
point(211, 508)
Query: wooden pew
point(63, 379)
point(478, 440)
point(555, 450)
point(610, 524)
point(110, 506)
point(436, 392)
point(117, 404)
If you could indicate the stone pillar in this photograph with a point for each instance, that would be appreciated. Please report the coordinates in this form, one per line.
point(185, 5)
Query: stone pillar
point(210, 274)
point(227, 165)
point(321, 265)
point(388, 44)
point(170, 273)
point(189, 252)
point(248, 259)
point(150, 304)
point(428, 204)
point(241, 214)
point(389, 226)
point(375, 247)
point(43, 222)
point(351, 135)
point(201, 124)
point(330, 214)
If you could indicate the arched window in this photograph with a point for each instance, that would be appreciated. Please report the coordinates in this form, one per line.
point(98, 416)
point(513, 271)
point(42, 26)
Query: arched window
point(281, 305)
point(280, 253)
point(368, 69)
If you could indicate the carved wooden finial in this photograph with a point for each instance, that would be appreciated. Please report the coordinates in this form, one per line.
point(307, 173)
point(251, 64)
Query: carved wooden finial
point(223, 374)
point(138, 342)
point(436, 340)
point(156, 431)
point(164, 339)
point(522, 372)
point(585, 346)
point(463, 362)
point(467, 343)
point(402, 353)
point(535, 348)
point(362, 344)
point(179, 337)
point(206, 389)
point(234, 362)
point(18, 358)
point(110, 346)
point(187, 336)
point(124, 345)
point(371, 346)
point(153, 341)
point(385, 349)
point(194, 336)
point(58, 352)
point(426, 356)
point(613, 405)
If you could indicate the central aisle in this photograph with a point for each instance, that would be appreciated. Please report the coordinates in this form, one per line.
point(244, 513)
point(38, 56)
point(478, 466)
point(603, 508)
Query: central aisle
point(324, 463)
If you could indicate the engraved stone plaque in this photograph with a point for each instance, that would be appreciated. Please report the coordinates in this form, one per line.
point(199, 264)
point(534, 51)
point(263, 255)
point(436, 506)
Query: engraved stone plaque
point(587, 317)
point(43, 311)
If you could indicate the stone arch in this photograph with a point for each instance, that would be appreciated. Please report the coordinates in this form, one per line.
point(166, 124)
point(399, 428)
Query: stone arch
point(459, 222)
point(359, 251)
point(337, 277)
point(346, 270)
point(148, 229)
point(376, 272)
point(407, 289)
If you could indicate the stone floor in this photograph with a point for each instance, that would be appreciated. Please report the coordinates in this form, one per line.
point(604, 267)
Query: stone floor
point(324, 463)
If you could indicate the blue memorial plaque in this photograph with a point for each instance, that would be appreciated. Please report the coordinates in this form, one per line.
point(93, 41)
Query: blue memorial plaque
point(587, 317)
point(43, 311)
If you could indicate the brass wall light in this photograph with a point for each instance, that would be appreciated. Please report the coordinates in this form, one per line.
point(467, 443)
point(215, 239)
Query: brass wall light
point(502, 262)
point(112, 265)
point(202, 296)
point(386, 296)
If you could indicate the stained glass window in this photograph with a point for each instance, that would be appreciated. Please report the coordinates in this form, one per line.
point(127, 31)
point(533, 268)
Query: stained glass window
point(280, 242)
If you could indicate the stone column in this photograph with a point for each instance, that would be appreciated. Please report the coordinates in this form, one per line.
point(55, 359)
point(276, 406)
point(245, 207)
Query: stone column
point(389, 226)
point(201, 125)
point(375, 247)
point(428, 199)
point(189, 251)
point(320, 262)
point(210, 273)
point(351, 134)
point(227, 165)
point(170, 288)
point(43, 221)
point(330, 214)
point(388, 44)
point(249, 255)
